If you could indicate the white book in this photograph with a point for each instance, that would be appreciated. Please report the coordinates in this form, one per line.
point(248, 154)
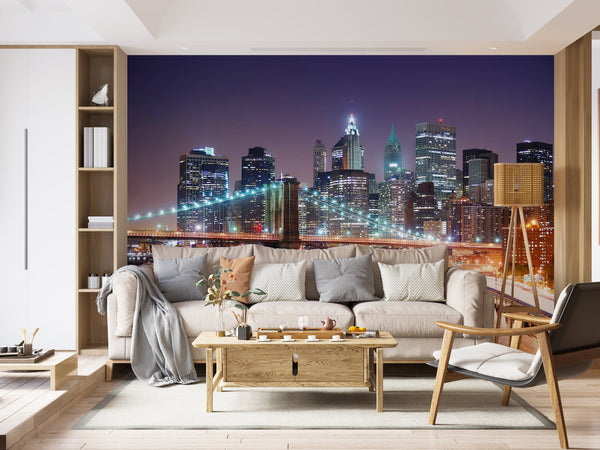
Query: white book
point(103, 131)
point(100, 225)
point(87, 147)
point(97, 155)
point(100, 219)
point(109, 155)
point(91, 148)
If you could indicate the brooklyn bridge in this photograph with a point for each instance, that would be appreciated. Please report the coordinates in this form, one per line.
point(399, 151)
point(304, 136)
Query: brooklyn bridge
point(284, 226)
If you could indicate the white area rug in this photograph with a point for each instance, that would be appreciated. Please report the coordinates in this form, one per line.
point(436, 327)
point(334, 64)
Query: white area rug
point(465, 404)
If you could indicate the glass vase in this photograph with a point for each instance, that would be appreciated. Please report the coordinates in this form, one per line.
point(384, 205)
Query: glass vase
point(221, 319)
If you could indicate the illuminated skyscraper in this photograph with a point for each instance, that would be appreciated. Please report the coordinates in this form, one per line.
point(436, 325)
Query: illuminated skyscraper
point(436, 157)
point(477, 153)
point(539, 152)
point(392, 157)
point(202, 177)
point(394, 197)
point(348, 190)
point(319, 160)
point(258, 170)
point(348, 154)
point(425, 205)
point(479, 175)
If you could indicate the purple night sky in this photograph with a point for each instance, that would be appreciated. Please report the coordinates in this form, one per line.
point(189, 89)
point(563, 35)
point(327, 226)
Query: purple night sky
point(285, 103)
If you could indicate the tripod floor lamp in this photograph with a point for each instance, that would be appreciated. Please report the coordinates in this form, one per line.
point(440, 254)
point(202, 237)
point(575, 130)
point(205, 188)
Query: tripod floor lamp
point(517, 185)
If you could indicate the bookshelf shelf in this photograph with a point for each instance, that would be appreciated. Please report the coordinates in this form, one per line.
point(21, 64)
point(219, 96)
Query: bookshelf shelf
point(96, 169)
point(101, 191)
point(97, 109)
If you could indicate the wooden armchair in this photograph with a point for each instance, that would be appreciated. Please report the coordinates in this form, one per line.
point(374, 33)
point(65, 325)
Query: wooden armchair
point(568, 344)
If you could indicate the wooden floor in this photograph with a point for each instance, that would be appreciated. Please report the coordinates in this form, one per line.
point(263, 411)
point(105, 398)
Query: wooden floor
point(27, 404)
point(581, 400)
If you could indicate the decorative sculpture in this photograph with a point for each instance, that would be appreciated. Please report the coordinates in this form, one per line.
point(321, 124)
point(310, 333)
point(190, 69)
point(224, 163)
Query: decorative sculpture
point(101, 96)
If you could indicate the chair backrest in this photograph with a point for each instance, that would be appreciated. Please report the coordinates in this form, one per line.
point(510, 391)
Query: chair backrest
point(579, 316)
point(578, 309)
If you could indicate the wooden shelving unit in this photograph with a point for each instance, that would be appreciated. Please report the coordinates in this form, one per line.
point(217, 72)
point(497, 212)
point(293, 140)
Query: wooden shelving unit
point(100, 191)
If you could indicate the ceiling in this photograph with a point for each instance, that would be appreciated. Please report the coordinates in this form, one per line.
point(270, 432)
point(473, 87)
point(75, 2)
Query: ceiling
point(303, 27)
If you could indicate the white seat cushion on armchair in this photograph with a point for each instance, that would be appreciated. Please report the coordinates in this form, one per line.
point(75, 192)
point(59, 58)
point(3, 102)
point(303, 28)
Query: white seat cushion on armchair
point(493, 360)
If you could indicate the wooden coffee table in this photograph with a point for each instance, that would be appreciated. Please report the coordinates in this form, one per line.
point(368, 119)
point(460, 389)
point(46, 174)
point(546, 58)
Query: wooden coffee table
point(300, 363)
point(62, 366)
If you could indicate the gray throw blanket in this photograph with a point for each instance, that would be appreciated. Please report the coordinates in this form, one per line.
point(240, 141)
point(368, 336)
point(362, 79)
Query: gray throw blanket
point(160, 352)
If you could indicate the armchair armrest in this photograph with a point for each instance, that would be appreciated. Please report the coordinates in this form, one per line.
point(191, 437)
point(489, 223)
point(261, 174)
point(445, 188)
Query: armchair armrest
point(476, 331)
point(537, 320)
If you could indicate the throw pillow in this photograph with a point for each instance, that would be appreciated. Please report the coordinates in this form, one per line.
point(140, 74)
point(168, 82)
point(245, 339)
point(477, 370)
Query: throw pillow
point(413, 282)
point(241, 273)
point(345, 280)
point(279, 281)
point(177, 278)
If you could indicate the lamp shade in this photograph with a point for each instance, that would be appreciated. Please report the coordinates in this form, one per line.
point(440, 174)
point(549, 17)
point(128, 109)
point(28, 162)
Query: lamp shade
point(518, 184)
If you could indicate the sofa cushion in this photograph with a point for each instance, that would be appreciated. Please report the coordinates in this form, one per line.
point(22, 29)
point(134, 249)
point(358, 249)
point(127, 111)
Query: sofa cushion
point(344, 280)
point(402, 256)
point(413, 282)
point(273, 314)
point(241, 272)
point(493, 360)
point(198, 317)
point(280, 255)
point(405, 319)
point(177, 278)
point(213, 253)
point(279, 281)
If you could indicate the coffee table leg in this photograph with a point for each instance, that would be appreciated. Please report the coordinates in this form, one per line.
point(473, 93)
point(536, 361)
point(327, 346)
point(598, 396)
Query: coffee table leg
point(209, 379)
point(379, 389)
point(219, 367)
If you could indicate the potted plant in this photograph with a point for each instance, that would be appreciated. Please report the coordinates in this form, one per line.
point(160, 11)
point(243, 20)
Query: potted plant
point(217, 294)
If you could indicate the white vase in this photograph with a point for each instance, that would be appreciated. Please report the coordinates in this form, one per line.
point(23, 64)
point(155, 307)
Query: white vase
point(221, 319)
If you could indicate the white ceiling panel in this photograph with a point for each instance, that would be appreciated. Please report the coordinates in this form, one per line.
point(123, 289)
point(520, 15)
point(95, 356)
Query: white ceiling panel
point(307, 27)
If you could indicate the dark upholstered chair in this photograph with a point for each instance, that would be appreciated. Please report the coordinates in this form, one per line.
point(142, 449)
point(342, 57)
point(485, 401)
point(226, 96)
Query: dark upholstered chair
point(568, 342)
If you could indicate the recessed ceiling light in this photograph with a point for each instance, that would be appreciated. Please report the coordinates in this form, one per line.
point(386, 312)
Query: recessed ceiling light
point(493, 48)
point(185, 48)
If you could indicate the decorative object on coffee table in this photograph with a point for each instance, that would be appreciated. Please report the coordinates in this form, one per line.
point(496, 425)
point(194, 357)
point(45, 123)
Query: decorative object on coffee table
point(319, 333)
point(328, 324)
point(517, 185)
point(243, 330)
point(27, 348)
point(218, 293)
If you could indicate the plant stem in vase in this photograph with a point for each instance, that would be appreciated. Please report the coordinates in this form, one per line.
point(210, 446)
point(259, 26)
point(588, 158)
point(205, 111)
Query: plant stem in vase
point(221, 319)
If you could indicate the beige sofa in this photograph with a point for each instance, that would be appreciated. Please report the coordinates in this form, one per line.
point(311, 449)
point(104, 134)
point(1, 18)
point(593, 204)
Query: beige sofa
point(412, 323)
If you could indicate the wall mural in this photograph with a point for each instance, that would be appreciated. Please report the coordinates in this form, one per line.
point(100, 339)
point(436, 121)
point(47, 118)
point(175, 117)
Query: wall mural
point(319, 151)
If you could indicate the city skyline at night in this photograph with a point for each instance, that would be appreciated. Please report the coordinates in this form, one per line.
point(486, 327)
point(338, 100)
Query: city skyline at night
point(285, 104)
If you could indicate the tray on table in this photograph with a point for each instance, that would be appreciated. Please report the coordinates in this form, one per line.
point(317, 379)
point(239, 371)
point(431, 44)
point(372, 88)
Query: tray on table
point(319, 333)
point(14, 358)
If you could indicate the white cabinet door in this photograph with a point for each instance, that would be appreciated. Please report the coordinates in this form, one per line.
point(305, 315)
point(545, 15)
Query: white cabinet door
point(52, 185)
point(13, 123)
point(41, 199)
